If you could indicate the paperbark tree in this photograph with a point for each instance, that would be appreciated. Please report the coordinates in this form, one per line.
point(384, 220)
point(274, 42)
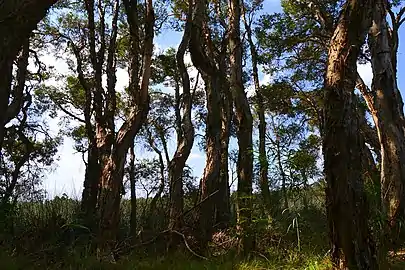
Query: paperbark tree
point(244, 123)
point(203, 60)
point(184, 132)
point(347, 209)
point(388, 117)
point(113, 165)
point(264, 164)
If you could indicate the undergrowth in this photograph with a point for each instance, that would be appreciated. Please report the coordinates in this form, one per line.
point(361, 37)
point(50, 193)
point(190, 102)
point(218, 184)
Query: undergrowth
point(176, 261)
point(48, 235)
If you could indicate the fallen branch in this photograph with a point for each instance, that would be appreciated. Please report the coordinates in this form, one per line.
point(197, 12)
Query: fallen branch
point(170, 231)
point(188, 247)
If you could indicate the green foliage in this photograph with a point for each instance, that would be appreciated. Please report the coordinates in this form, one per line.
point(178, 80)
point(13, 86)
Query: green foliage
point(277, 97)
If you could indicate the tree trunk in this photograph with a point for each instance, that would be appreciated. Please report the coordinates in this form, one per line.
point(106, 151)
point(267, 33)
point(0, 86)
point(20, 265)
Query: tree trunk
point(222, 202)
point(17, 21)
point(29, 149)
point(223, 211)
point(244, 122)
point(109, 202)
point(152, 208)
point(91, 185)
point(282, 173)
point(371, 173)
point(264, 164)
point(213, 159)
point(390, 121)
point(185, 135)
point(347, 207)
point(207, 67)
point(305, 181)
point(132, 182)
point(112, 171)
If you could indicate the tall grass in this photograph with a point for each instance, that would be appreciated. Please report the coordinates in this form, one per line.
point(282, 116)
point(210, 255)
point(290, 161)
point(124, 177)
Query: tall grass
point(44, 235)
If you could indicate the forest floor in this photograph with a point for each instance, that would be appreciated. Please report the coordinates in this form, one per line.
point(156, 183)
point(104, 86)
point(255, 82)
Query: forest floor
point(173, 262)
point(290, 261)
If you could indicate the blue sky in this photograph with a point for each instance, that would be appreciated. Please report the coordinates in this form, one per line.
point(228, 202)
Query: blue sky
point(69, 174)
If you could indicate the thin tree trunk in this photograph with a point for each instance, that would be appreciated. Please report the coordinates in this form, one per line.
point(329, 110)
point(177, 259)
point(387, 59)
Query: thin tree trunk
point(264, 164)
point(282, 173)
point(347, 207)
point(132, 182)
point(305, 180)
point(244, 122)
point(223, 211)
point(211, 174)
point(29, 149)
point(159, 192)
point(185, 134)
point(371, 173)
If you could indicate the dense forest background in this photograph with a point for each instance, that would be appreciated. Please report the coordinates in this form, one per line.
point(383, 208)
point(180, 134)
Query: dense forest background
point(201, 134)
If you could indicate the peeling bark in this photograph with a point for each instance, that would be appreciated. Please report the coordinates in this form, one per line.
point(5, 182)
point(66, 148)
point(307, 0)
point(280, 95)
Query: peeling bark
point(347, 207)
point(207, 67)
point(389, 119)
point(112, 173)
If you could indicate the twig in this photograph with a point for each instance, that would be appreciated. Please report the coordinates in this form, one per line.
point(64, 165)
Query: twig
point(171, 231)
point(188, 247)
point(261, 255)
point(151, 240)
point(198, 204)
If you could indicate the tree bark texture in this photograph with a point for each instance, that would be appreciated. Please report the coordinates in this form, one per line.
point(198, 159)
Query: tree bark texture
point(389, 119)
point(207, 67)
point(223, 211)
point(244, 123)
point(222, 203)
point(347, 207)
point(112, 171)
